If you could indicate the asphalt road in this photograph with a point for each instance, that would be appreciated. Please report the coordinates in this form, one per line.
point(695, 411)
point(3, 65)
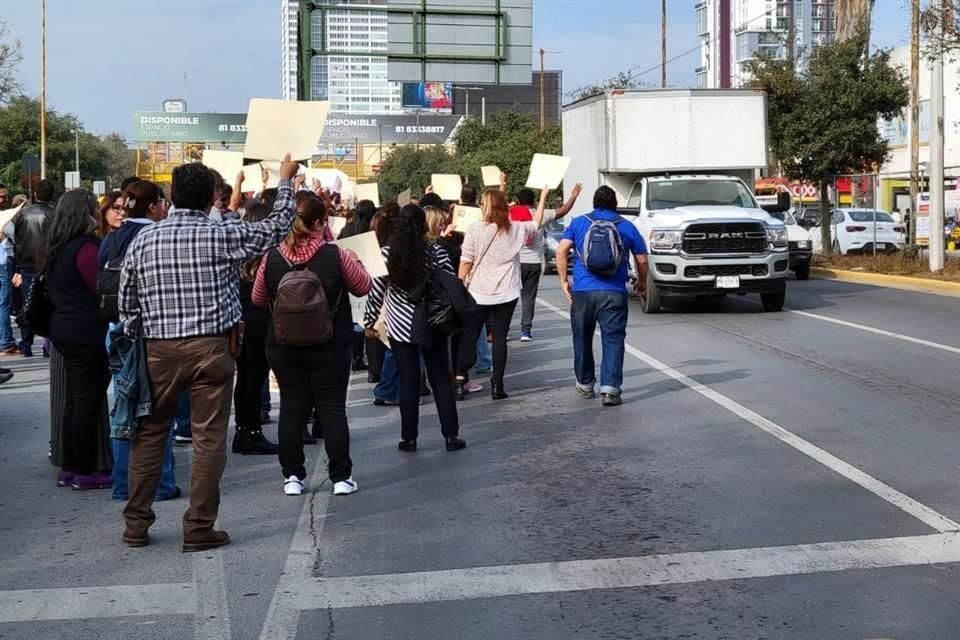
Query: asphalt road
point(782, 476)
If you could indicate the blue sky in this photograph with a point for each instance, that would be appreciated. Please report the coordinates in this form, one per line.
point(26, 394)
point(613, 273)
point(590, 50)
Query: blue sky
point(109, 58)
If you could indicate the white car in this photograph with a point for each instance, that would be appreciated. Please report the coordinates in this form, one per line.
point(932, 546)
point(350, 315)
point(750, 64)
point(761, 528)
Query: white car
point(853, 232)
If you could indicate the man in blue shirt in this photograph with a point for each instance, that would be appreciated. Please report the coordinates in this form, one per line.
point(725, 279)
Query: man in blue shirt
point(599, 299)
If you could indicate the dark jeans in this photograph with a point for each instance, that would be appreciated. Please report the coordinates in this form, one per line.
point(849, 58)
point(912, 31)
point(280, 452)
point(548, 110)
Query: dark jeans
point(607, 309)
point(437, 362)
point(388, 389)
point(530, 277)
point(6, 305)
point(252, 372)
point(87, 379)
point(26, 333)
point(500, 317)
point(306, 374)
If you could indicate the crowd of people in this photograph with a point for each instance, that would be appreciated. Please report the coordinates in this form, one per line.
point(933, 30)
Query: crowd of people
point(187, 304)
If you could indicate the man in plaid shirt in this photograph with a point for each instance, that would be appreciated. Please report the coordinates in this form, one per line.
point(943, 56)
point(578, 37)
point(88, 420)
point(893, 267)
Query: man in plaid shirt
point(179, 286)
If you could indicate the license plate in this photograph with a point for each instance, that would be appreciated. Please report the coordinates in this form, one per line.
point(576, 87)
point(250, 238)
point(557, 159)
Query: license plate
point(881, 245)
point(728, 282)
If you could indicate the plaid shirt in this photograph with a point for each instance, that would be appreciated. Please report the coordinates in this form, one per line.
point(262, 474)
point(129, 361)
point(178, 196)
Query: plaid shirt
point(180, 277)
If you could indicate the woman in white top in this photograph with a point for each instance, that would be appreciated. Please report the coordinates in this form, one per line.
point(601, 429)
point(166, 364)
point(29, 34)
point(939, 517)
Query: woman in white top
point(490, 267)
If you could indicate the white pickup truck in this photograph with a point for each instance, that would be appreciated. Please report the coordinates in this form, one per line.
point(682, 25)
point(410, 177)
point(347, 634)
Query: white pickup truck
point(680, 162)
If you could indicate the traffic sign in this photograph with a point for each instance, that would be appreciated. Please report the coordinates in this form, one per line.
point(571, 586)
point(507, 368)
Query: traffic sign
point(99, 187)
point(71, 179)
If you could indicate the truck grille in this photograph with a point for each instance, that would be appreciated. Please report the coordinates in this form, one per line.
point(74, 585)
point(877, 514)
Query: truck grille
point(731, 237)
point(758, 270)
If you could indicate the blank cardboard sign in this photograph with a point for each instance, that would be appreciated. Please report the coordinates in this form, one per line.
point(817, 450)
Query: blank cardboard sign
point(227, 163)
point(278, 127)
point(368, 191)
point(547, 171)
point(447, 186)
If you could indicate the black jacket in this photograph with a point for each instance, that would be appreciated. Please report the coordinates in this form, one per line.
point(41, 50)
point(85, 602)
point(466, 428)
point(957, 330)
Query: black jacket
point(29, 227)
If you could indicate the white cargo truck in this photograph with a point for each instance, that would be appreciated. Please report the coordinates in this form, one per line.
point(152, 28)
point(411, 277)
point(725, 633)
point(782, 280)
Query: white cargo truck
point(680, 162)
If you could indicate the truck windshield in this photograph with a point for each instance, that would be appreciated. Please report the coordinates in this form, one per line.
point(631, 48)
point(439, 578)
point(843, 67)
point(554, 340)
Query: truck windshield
point(670, 194)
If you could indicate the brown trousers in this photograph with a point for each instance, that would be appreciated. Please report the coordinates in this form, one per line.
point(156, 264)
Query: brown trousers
point(206, 367)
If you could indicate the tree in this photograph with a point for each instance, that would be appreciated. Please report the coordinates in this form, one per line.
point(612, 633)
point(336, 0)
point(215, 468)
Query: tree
point(20, 131)
point(824, 122)
point(9, 59)
point(853, 18)
point(623, 80)
point(508, 140)
point(120, 160)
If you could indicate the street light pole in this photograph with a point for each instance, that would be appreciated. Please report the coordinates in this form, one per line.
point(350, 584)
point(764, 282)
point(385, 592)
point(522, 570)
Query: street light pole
point(936, 151)
point(76, 151)
point(43, 91)
point(543, 117)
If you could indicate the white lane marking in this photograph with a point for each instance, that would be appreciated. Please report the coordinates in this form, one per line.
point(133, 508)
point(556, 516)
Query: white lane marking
point(879, 332)
point(212, 619)
point(629, 572)
point(37, 605)
point(902, 501)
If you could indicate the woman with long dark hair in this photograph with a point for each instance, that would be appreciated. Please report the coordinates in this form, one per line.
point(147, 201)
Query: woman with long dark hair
point(314, 373)
point(410, 258)
point(111, 213)
point(68, 257)
point(490, 267)
point(252, 366)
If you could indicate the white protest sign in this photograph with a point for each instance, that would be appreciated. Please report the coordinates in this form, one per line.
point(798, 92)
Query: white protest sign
point(368, 253)
point(253, 180)
point(326, 177)
point(358, 306)
point(403, 198)
point(368, 191)
point(278, 127)
point(547, 171)
point(447, 186)
point(227, 163)
point(463, 217)
point(491, 176)
point(336, 224)
point(7, 215)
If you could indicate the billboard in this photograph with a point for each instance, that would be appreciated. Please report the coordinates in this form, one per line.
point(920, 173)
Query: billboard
point(340, 128)
point(427, 95)
point(158, 126)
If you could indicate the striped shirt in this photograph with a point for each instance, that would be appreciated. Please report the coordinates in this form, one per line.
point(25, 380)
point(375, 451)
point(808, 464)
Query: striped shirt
point(399, 315)
point(180, 277)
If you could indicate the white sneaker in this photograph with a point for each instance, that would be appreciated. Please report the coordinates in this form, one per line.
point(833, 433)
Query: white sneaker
point(293, 486)
point(344, 487)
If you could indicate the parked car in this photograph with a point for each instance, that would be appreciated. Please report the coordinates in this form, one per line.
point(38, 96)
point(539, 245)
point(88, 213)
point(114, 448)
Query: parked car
point(799, 243)
point(852, 231)
point(807, 215)
point(553, 234)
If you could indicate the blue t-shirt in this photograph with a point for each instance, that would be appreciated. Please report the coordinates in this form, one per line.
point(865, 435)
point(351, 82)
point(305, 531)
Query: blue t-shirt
point(583, 278)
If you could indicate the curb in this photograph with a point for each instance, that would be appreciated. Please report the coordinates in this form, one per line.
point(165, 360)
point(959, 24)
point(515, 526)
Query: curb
point(925, 285)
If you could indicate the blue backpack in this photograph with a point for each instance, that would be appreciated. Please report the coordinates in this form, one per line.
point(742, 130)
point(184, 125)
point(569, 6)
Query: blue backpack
point(603, 251)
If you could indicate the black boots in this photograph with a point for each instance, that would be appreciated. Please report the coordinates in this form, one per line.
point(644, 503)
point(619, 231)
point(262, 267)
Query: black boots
point(459, 393)
point(496, 390)
point(252, 442)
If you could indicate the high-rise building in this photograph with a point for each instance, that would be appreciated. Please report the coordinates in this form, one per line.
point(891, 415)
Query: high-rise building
point(734, 33)
point(353, 74)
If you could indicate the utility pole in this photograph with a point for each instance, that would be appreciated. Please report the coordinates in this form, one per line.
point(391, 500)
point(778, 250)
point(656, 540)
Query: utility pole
point(543, 108)
point(914, 116)
point(663, 44)
point(791, 33)
point(936, 146)
point(43, 91)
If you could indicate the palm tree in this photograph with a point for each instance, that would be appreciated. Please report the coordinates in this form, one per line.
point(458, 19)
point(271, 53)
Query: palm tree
point(851, 16)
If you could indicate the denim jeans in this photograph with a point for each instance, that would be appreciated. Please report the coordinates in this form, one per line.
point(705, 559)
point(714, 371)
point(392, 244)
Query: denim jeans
point(484, 363)
point(388, 389)
point(6, 305)
point(121, 463)
point(607, 309)
point(181, 422)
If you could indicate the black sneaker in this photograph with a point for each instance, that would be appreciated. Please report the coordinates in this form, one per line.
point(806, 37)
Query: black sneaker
point(611, 400)
point(256, 444)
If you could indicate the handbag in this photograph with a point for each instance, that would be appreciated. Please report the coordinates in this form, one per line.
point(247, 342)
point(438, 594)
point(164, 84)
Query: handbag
point(36, 310)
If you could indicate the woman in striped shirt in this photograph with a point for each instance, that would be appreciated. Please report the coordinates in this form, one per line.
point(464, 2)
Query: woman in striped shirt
point(409, 260)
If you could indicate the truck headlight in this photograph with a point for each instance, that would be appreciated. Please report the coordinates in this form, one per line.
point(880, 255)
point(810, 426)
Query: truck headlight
point(552, 243)
point(665, 240)
point(777, 236)
point(803, 244)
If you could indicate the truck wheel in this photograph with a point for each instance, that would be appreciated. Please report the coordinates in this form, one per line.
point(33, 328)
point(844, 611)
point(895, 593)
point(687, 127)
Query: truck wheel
point(773, 301)
point(803, 272)
point(651, 301)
